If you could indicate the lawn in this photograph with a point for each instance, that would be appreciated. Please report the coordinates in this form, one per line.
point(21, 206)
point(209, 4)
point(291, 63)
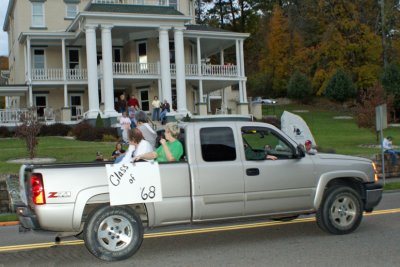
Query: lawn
point(342, 135)
point(63, 150)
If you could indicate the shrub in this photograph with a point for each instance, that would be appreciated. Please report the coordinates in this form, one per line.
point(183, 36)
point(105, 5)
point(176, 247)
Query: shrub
point(99, 121)
point(272, 120)
point(4, 132)
point(85, 132)
point(57, 129)
point(110, 138)
point(340, 87)
point(365, 111)
point(299, 87)
point(107, 131)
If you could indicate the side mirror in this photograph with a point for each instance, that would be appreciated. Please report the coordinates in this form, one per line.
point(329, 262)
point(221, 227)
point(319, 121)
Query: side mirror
point(300, 151)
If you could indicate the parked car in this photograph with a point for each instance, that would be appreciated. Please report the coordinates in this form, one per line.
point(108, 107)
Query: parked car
point(264, 100)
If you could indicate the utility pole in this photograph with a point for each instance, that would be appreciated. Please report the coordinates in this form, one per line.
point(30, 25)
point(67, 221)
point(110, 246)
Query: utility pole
point(382, 2)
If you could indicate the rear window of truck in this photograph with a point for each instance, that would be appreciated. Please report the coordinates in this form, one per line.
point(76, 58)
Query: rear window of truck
point(217, 144)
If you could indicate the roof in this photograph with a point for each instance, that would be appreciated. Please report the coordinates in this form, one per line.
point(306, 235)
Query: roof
point(193, 27)
point(139, 9)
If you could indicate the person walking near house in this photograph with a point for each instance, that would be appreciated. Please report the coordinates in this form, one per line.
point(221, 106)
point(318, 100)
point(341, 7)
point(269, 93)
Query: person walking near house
point(122, 104)
point(156, 108)
point(133, 102)
point(125, 123)
point(165, 108)
point(388, 147)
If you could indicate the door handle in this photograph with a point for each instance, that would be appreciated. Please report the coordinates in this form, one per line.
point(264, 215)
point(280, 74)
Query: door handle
point(252, 171)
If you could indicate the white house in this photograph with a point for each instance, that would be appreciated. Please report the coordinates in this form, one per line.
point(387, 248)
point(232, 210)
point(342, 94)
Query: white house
point(74, 58)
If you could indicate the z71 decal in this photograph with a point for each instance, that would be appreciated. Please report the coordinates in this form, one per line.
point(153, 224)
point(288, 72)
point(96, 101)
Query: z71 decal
point(59, 194)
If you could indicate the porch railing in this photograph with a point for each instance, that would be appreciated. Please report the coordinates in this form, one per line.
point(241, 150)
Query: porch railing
point(133, 2)
point(131, 68)
point(11, 115)
point(57, 74)
point(219, 70)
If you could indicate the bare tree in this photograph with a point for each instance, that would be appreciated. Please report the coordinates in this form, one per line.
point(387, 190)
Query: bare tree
point(28, 130)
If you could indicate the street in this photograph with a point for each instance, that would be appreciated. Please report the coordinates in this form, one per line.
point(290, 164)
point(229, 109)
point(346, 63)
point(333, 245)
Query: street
point(268, 243)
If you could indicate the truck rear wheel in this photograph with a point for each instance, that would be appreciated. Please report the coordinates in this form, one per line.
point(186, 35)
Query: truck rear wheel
point(341, 210)
point(113, 233)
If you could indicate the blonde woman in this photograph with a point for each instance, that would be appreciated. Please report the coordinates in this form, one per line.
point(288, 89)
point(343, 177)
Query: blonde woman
point(171, 148)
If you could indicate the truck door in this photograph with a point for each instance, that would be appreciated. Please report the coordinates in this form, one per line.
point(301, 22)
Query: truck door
point(218, 184)
point(282, 185)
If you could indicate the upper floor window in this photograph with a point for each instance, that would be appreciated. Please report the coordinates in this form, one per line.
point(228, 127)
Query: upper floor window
point(38, 14)
point(174, 4)
point(71, 10)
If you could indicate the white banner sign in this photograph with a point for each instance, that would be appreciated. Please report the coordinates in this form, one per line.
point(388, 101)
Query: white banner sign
point(134, 183)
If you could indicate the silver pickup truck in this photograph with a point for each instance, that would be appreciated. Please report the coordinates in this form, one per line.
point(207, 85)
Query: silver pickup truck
point(224, 175)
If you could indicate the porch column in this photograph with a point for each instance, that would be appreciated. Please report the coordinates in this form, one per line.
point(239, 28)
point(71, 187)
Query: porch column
point(165, 64)
point(180, 70)
point(202, 105)
point(64, 69)
point(106, 48)
point(242, 74)
point(29, 71)
point(91, 57)
point(239, 71)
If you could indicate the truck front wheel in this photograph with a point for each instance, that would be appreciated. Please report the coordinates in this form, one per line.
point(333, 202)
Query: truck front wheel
point(113, 233)
point(341, 210)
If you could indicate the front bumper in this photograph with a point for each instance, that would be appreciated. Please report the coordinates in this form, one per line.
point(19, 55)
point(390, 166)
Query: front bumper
point(26, 217)
point(373, 195)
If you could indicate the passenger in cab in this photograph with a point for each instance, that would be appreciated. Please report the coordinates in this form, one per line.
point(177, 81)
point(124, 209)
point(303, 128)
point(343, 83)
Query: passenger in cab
point(171, 148)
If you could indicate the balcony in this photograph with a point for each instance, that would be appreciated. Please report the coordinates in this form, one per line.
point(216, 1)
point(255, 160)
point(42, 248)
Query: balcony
point(136, 70)
point(57, 74)
point(134, 2)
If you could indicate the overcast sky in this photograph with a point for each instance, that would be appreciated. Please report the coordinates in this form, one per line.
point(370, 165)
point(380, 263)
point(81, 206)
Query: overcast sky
point(3, 35)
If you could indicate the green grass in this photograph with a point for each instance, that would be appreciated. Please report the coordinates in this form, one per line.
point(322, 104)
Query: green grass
point(8, 217)
point(392, 186)
point(339, 134)
point(63, 150)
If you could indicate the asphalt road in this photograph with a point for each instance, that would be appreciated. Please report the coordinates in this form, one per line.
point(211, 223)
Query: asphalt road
point(300, 243)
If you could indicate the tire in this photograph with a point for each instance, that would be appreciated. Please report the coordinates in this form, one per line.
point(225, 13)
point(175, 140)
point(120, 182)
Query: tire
point(341, 211)
point(113, 233)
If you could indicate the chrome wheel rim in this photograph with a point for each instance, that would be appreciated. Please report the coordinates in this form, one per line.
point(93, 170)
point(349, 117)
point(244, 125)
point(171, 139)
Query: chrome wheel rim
point(343, 211)
point(115, 233)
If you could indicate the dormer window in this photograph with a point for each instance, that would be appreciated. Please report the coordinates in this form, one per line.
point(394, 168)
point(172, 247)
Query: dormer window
point(71, 10)
point(174, 4)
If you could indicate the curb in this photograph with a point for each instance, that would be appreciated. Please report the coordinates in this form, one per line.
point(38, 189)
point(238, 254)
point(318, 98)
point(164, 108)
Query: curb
point(10, 223)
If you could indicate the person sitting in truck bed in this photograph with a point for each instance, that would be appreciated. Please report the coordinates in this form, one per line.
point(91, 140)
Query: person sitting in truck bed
point(169, 150)
point(137, 146)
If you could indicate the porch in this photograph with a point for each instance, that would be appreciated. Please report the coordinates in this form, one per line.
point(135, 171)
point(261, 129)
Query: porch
point(12, 116)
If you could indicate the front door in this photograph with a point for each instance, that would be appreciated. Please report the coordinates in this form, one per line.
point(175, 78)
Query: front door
point(285, 184)
point(76, 106)
point(41, 104)
point(144, 99)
